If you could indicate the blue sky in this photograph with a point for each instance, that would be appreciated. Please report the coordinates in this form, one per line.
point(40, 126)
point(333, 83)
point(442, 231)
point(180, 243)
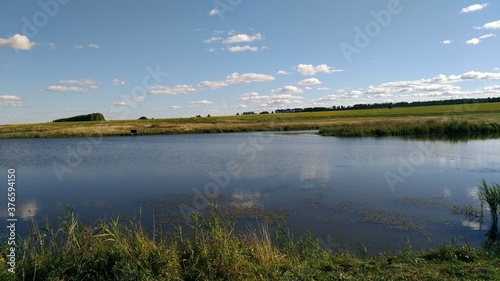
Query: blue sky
point(126, 59)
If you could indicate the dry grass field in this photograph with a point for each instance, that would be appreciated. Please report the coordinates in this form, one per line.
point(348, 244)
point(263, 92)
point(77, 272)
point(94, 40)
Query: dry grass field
point(369, 118)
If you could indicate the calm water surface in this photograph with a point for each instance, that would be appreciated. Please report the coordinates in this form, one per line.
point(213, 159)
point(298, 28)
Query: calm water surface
point(380, 191)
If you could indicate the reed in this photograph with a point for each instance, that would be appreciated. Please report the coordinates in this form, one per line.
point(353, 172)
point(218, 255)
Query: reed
point(68, 249)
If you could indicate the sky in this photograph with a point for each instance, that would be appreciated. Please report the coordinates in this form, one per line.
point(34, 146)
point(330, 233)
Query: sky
point(182, 58)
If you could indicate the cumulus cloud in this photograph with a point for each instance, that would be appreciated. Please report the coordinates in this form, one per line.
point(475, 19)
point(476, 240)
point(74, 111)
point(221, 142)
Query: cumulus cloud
point(117, 81)
point(17, 42)
point(309, 69)
point(65, 89)
point(242, 38)
point(82, 86)
point(212, 39)
point(282, 72)
point(431, 88)
point(473, 8)
point(200, 102)
point(235, 78)
point(275, 99)
point(84, 81)
point(213, 12)
point(171, 91)
point(11, 101)
point(95, 46)
point(130, 101)
point(287, 90)
point(310, 81)
point(475, 41)
point(490, 25)
point(78, 46)
point(233, 38)
point(213, 84)
point(237, 49)
point(446, 42)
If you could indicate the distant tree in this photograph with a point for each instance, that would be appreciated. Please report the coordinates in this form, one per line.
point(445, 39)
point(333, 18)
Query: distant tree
point(237, 114)
point(79, 118)
point(143, 118)
point(208, 115)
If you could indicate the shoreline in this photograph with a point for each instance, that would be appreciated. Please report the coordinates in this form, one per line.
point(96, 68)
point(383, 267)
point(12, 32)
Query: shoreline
point(483, 119)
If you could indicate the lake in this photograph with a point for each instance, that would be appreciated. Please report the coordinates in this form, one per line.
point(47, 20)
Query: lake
point(382, 192)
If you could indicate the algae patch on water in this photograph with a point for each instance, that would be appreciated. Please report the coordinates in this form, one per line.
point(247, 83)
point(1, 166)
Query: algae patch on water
point(169, 208)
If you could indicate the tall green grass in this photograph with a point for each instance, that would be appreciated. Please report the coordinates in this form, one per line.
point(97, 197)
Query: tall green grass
point(67, 249)
point(418, 128)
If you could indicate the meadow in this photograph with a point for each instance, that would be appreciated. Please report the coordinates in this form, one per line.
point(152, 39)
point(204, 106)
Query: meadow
point(364, 120)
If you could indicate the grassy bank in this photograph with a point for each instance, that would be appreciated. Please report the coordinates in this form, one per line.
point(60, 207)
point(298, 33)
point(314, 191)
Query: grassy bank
point(476, 113)
point(116, 250)
point(432, 128)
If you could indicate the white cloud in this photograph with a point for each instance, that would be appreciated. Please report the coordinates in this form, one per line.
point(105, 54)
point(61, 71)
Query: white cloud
point(52, 45)
point(117, 81)
point(487, 36)
point(171, 91)
point(446, 42)
point(287, 90)
point(475, 41)
point(473, 8)
point(83, 85)
point(310, 81)
point(237, 49)
point(65, 89)
point(240, 38)
point(17, 42)
point(323, 88)
point(131, 101)
point(271, 100)
point(174, 107)
point(200, 102)
point(309, 69)
point(11, 101)
point(78, 46)
point(233, 38)
point(84, 81)
point(213, 84)
point(282, 72)
point(432, 88)
point(490, 25)
point(213, 12)
point(95, 46)
point(251, 97)
point(212, 39)
point(234, 78)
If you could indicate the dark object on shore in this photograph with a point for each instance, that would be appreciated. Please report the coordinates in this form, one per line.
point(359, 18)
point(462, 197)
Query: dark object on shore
point(143, 118)
point(133, 131)
point(88, 117)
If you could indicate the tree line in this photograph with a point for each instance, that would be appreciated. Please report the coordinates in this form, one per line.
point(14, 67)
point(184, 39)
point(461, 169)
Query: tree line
point(388, 105)
point(88, 117)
